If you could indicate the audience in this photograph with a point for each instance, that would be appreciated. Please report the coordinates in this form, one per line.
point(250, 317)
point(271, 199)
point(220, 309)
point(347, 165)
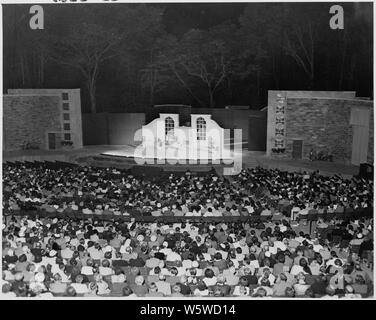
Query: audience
point(57, 254)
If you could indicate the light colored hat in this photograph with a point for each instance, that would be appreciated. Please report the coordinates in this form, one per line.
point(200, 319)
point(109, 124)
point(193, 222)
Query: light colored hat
point(107, 249)
point(140, 238)
point(52, 253)
point(165, 244)
point(39, 277)
point(18, 276)
point(195, 264)
point(153, 238)
point(139, 280)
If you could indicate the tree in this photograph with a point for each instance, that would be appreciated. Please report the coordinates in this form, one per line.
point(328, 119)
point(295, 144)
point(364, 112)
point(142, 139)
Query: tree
point(261, 28)
point(202, 60)
point(85, 49)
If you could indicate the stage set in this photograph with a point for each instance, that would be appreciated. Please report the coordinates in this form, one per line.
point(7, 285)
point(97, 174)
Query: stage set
point(198, 144)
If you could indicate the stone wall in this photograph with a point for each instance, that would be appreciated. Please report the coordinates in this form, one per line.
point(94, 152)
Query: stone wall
point(322, 124)
point(71, 104)
point(272, 103)
point(28, 118)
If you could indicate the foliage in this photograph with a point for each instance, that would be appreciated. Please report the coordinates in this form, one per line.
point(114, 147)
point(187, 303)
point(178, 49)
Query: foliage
point(131, 56)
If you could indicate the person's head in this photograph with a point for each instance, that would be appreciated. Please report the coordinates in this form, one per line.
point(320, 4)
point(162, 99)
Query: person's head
point(79, 278)
point(30, 267)
point(22, 258)
point(260, 293)
point(283, 277)
point(266, 272)
point(71, 292)
point(135, 271)
point(281, 258)
point(153, 287)
point(19, 276)
point(105, 263)
point(139, 280)
point(243, 281)
point(176, 289)
point(303, 262)
point(338, 262)
point(201, 286)
point(290, 292)
point(57, 277)
point(359, 279)
point(127, 291)
point(157, 270)
point(174, 271)
point(209, 273)
point(6, 288)
point(89, 262)
point(309, 293)
point(218, 256)
point(330, 290)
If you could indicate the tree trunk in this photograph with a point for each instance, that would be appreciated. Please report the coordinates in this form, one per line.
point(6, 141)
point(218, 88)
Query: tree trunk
point(211, 98)
point(152, 88)
point(92, 89)
point(152, 79)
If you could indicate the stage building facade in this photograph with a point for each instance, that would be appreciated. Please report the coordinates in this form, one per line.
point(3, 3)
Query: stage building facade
point(199, 138)
point(44, 119)
point(301, 122)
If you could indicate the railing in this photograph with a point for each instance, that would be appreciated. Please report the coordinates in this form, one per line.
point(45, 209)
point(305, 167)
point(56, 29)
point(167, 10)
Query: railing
point(139, 217)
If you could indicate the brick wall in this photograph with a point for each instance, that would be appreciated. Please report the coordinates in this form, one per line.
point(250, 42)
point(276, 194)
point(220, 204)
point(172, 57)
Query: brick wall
point(72, 99)
point(29, 118)
point(322, 124)
point(272, 102)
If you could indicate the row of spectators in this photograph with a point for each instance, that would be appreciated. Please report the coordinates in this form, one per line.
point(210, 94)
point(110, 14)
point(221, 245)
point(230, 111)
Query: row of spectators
point(67, 257)
point(255, 192)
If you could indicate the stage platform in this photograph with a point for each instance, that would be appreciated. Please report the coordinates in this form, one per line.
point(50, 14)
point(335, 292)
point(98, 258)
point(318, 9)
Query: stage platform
point(250, 159)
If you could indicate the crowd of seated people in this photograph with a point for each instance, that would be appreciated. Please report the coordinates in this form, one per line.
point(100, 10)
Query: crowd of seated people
point(254, 192)
point(66, 256)
point(69, 257)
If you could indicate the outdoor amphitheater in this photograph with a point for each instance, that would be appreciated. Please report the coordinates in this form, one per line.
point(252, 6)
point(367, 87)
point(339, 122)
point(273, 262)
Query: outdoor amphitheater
point(166, 151)
point(94, 221)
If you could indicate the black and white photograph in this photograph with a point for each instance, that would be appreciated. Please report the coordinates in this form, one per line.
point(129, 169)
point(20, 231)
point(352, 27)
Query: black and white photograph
point(196, 151)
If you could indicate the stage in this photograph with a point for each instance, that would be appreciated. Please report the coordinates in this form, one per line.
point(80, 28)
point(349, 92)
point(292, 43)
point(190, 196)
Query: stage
point(119, 156)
